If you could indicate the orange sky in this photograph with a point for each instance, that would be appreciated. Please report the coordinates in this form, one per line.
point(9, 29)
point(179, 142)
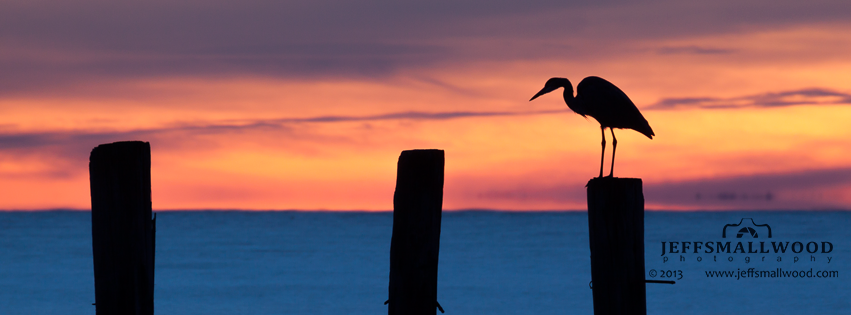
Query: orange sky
point(757, 110)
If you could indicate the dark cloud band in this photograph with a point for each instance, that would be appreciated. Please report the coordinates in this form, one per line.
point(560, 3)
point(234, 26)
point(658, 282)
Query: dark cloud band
point(44, 44)
point(814, 96)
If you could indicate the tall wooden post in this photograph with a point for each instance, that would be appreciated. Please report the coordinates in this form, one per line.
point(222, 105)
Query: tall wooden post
point(616, 227)
point(122, 228)
point(414, 246)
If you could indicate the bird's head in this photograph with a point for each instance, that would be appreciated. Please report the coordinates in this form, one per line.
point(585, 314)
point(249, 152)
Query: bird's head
point(552, 85)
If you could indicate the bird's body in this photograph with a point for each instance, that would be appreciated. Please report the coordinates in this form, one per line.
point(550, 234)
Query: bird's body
point(606, 103)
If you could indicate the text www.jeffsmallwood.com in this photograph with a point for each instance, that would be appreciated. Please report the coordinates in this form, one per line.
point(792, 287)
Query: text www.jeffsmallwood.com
point(777, 273)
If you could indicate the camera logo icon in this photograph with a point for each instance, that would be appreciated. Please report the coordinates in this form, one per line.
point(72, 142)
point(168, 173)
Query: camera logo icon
point(747, 229)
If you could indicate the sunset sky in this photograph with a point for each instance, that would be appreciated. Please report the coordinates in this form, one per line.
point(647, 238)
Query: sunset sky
point(307, 104)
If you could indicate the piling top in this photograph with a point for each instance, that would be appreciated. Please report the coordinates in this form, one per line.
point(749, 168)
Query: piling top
point(120, 146)
point(601, 181)
point(122, 143)
point(422, 152)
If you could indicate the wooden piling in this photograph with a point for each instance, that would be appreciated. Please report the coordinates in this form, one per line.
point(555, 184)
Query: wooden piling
point(616, 228)
point(122, 228)
point(414, 246)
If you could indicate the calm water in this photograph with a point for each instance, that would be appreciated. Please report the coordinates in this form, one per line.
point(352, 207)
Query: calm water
point(490, 263)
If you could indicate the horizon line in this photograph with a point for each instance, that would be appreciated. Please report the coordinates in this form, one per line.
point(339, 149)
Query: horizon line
point(444, 210)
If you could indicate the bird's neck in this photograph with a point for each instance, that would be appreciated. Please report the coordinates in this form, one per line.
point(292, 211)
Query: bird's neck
point(573, 103)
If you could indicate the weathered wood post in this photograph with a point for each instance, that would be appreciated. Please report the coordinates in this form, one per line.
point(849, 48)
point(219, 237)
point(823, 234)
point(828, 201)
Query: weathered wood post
point(616, 228)
point(414, 246)
point(122, 228)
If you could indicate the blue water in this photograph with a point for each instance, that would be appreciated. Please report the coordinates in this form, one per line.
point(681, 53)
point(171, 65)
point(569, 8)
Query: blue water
point(490, 263)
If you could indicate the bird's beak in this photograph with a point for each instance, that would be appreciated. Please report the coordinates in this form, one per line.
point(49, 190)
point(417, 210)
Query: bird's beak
point(543, 91)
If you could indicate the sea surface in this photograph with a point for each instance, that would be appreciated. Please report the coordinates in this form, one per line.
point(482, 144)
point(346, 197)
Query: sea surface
point(232, 262)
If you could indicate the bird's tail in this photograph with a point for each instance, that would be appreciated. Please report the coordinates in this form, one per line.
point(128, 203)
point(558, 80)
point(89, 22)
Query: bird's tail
point(646, 130)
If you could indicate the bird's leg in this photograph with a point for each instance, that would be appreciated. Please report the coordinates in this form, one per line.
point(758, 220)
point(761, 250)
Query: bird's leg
point(602, 154)
point(614, 148)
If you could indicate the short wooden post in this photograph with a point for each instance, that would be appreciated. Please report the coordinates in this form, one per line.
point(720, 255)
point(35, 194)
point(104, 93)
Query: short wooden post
point(122, 228)
point(616, 227)
point(414, 246)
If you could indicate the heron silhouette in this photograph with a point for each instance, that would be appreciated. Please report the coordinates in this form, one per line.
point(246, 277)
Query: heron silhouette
point(604, 101)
